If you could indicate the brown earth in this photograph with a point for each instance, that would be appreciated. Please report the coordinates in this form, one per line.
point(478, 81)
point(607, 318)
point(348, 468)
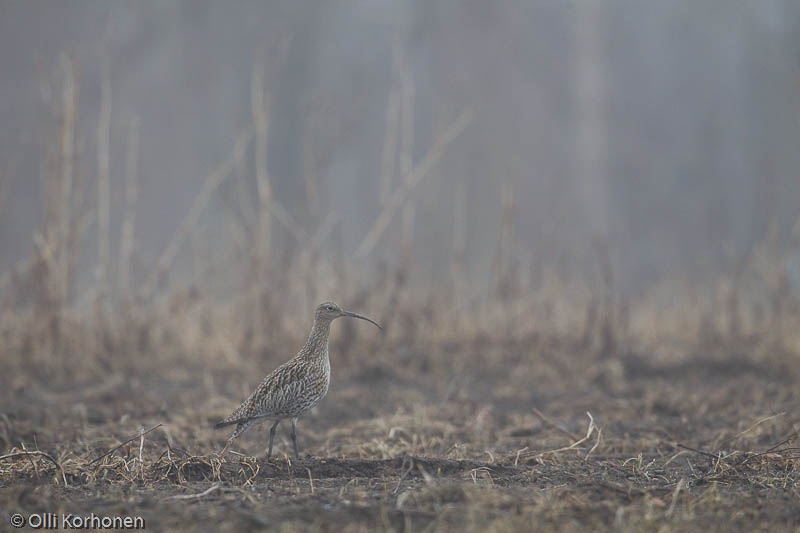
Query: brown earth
point(528, 435)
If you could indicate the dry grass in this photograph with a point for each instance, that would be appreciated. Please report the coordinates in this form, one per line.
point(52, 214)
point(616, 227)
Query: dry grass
point(442, 433)
point(548, 403)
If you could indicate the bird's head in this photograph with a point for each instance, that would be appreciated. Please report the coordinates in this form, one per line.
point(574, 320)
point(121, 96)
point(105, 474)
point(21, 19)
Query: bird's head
point(329, 311)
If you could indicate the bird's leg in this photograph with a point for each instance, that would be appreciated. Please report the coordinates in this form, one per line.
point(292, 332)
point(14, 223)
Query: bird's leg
point(294, 438)
point(271, 437)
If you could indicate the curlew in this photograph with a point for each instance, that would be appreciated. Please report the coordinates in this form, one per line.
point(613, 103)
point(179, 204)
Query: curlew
point(294, 387)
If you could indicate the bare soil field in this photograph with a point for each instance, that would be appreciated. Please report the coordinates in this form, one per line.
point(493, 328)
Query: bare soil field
point(576, 223)
point(483, 435)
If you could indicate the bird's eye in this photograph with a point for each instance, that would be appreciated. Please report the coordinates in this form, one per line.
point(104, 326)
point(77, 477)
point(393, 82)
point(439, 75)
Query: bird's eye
point(330, 308)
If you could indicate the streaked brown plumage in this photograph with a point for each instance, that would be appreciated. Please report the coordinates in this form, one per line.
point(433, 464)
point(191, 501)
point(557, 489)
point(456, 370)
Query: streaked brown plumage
point(294, 387)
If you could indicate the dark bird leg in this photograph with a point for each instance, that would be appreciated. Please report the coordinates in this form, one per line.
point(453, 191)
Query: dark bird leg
point(294, 438)
point(271, 437)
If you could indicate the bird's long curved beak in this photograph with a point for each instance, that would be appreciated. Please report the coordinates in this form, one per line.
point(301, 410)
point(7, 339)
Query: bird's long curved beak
point(362, 317)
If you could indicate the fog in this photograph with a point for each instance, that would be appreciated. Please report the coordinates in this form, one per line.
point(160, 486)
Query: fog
point(667, 131)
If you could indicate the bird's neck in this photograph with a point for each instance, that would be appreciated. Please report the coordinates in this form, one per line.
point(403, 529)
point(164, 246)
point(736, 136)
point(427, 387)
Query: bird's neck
point(317, 343)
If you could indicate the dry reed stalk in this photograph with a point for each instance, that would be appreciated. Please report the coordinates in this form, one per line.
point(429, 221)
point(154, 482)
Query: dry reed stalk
point(197, 496)
point(261, 102)
point(103, 187)
point(241, 198)
point(391, 132)
point(190, 219)
point(140, 435)
point(407, 236)
point(69, 97)
point(592, 429)
point(248, 212)
point(409, 183)
point(406, 156)
point(3, 188)
point(609, 316)
point(458, 267)
point(311, 176)
point(260, 107)
point(757, 423)
point(283, 216)
point(503, 273)
point(389, 146)
point(243, 215)
point(129, 213)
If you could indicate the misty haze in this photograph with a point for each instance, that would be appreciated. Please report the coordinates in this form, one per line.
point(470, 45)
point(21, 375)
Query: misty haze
point(577, 221)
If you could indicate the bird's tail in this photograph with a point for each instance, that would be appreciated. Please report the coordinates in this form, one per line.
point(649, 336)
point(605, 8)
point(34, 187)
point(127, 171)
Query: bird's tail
point(225, 423)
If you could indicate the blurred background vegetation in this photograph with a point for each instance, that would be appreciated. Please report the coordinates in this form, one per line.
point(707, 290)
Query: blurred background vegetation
point(192, 177)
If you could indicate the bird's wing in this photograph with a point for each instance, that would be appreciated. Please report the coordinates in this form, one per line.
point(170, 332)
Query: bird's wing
point(276, 395)
point(282, 389)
